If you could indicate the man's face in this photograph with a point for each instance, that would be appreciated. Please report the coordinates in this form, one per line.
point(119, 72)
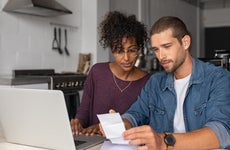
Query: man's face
point(170, 53)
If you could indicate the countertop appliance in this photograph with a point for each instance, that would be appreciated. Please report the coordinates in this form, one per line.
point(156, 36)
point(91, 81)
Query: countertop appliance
point(220, 58)
point(69, 83)
point(225, 56)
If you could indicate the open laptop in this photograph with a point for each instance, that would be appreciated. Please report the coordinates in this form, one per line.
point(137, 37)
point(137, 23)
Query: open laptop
point(39, 118)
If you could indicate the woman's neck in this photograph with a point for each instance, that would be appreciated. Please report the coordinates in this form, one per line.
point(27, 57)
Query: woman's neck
point(121, 74)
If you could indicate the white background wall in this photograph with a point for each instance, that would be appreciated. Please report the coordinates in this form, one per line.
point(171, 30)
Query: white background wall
point(151, 10)
point(190, 14)
point(26, 41)
point(216, 17)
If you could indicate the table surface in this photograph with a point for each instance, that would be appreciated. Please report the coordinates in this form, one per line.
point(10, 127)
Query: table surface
point(10, 146)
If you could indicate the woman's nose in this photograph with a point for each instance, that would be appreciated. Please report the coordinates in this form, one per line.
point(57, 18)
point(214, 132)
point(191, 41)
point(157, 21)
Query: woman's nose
point(126, 55)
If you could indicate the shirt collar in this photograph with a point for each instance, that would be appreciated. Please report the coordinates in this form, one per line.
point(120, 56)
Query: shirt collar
point(197, 75)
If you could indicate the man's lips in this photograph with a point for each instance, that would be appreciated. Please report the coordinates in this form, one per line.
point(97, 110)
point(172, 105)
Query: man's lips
point(165, 63)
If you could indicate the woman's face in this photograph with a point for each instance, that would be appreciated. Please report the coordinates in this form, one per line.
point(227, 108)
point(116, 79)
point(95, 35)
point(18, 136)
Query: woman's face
point(126, 57)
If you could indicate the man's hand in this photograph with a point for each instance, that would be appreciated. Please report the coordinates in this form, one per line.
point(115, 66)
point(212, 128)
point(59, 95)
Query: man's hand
point(145, 137)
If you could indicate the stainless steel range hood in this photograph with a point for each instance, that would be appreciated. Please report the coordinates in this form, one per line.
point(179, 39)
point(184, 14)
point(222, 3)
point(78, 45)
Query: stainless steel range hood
point(44, 8)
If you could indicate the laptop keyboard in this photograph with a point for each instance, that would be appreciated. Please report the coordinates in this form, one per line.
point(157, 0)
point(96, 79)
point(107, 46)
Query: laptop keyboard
point(78, 142)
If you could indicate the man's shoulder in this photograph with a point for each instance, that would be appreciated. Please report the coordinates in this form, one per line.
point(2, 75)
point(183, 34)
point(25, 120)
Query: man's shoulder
point(210, 69)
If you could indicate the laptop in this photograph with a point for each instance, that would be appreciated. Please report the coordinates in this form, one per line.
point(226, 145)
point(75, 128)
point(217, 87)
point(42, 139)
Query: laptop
point(39, 118)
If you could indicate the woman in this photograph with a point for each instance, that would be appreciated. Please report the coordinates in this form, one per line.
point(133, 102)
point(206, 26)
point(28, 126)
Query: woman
point(113, 84)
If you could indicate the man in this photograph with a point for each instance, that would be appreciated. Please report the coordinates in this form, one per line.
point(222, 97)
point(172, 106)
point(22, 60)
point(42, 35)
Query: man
point(185, 107)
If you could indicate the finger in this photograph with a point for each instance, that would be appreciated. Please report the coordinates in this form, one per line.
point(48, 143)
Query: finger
point(112, 111)
point(142, 132)
point(84, 131)
point(78, 128)
point(140, 129)
point(139, 142)
point(95, 131)
point(142, 147)
point(101, 130)
point(72, 124)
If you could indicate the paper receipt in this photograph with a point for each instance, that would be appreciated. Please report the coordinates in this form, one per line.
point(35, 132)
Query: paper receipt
point(113, 127)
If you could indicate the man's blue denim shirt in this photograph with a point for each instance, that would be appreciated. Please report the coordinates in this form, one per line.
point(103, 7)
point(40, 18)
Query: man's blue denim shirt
point(207, 102)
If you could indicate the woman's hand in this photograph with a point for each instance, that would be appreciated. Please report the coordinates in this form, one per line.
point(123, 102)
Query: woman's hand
point(76, 126)
point(91, 130)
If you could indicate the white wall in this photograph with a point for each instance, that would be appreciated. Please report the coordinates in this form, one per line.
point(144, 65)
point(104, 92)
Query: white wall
point(26, 41)
point(190, 14)
point(151, 10)
point(102, 9)
point(216, 17)
point(93, 12)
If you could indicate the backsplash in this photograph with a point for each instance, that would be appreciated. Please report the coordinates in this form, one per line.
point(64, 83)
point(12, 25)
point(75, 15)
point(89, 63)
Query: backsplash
point(26, 41)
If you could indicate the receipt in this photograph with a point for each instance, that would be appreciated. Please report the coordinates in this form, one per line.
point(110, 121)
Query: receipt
point(113, 127)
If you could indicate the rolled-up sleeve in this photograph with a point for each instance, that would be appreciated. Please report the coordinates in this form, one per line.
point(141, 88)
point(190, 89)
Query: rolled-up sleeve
point(221, 133)
point(131, 119)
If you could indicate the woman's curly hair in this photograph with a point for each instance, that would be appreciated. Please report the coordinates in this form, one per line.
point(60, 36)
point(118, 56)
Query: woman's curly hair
point(117, 25)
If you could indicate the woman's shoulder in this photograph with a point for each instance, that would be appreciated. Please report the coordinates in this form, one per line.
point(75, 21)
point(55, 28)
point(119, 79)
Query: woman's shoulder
point(102, 65)
point(100, 68)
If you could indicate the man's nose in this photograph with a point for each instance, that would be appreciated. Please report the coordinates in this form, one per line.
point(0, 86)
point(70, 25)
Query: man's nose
point(161, 54)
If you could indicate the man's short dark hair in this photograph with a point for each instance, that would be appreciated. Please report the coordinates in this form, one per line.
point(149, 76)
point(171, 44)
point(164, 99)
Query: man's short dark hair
point(179, 29)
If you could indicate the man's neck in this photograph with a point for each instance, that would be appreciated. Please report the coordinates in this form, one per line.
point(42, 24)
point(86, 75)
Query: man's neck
point(185, 69)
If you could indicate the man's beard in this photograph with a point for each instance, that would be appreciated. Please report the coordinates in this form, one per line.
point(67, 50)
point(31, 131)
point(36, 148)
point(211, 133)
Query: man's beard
point(176, 65)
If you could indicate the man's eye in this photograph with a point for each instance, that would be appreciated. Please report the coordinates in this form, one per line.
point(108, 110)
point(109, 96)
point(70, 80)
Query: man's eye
point(154, 49)
point(167, 46)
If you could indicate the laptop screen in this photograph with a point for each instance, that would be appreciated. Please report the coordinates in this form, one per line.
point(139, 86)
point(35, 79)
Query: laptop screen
point(37, 118)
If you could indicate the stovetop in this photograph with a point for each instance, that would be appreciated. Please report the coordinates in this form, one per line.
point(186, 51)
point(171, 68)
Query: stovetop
point(61, 81)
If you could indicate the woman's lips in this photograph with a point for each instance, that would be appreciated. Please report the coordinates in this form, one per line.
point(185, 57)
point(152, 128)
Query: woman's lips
point(127, 65)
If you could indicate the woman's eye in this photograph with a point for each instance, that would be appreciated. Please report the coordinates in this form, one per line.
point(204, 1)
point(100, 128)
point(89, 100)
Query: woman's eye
point(132, 50)
point(120, 52)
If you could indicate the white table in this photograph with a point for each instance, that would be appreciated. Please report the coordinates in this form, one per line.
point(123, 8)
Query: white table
point(10, 146)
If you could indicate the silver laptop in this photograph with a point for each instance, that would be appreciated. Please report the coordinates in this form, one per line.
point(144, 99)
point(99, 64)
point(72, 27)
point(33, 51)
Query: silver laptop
point(39, 118)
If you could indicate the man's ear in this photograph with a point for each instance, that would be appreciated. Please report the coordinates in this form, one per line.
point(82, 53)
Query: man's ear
point(186, 41)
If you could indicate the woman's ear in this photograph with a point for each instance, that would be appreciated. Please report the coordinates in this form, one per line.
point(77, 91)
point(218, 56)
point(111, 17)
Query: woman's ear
point(186, 41)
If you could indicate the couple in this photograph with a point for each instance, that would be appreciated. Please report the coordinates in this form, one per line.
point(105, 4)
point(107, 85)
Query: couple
point(184, 107)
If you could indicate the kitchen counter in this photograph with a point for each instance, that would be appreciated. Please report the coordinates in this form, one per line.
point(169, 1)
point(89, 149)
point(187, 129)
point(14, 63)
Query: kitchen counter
point(11, 81)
